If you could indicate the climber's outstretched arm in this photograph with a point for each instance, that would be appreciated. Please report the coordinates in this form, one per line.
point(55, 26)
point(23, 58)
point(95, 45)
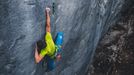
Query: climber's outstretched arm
point(48, 27)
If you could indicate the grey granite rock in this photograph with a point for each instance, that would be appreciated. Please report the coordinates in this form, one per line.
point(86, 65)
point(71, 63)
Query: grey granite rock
point(22, 24)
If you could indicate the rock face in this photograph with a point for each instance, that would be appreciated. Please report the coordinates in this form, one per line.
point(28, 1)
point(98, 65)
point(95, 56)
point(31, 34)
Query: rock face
point(22, 24)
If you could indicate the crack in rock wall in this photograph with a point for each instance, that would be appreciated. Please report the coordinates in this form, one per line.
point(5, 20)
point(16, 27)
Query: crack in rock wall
point(22, 24)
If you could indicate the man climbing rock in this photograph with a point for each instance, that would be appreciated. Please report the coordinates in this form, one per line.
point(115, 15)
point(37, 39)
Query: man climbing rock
point(50, 49)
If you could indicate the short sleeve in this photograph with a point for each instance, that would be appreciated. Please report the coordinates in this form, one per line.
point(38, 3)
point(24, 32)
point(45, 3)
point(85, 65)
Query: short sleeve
point(48, 36)
point(43, 52)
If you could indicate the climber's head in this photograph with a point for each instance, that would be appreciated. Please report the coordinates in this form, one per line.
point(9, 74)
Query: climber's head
point(41, 44)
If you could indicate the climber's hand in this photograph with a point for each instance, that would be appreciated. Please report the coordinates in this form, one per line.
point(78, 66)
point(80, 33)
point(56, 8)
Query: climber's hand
point(58, 57)
point(47, 9)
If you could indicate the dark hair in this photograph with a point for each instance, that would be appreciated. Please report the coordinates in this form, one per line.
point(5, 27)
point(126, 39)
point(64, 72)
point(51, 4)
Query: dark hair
point(41, 44)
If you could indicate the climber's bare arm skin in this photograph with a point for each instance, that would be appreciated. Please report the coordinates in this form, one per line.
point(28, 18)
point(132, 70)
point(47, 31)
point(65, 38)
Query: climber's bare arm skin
point(38, 57)
point(48, 27)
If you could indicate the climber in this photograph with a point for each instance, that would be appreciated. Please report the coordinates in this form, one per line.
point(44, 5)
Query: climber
point(49, 49)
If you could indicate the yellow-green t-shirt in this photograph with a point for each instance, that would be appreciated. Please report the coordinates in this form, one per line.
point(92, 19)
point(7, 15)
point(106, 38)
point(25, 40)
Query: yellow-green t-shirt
point(50, 46)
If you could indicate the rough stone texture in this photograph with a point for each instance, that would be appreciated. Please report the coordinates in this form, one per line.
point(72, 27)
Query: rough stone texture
point(22, 23)
point(115, 52)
